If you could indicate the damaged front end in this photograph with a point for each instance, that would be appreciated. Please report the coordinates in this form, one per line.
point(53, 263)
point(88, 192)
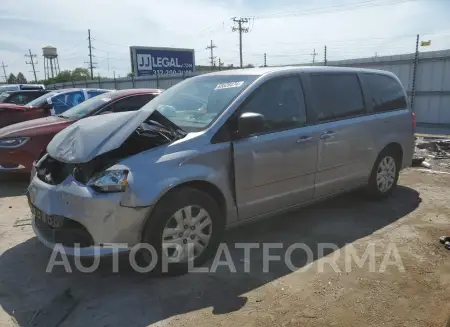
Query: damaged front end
point(157, 130)
point(81, 202)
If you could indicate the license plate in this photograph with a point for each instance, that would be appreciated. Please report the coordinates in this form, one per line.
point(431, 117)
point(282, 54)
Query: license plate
point(53, 221)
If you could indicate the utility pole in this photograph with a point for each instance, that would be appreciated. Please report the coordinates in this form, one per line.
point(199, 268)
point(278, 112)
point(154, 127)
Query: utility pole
point(416, 63)
point(241, 30)
point(220, 64)
point(4, 72)
point(314, 54)
point(31, 62)
point(91, 64)
point(107, 60)
point(265, 59)
point(211, 47)
point(325, 56)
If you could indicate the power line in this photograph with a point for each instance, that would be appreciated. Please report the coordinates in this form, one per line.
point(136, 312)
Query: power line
point(331, 9)
point(211, 48)
point(4, 72)
point(241, 30)
point(31, 62)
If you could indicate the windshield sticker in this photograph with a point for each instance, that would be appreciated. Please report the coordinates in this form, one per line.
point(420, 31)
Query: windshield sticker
point(229, 85)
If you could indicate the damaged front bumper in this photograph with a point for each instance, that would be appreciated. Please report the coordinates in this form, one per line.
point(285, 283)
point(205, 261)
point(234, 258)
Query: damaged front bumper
point(72, 213)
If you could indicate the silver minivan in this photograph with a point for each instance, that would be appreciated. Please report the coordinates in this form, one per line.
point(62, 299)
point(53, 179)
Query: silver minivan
point(217, 150)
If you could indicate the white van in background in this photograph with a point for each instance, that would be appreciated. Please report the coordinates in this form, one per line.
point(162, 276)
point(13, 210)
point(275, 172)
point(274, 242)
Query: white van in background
point(19, 87)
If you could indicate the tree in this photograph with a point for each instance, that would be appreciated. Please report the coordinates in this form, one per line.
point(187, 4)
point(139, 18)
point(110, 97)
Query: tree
point(80, 74)
point(21, 79)
point(11, 79)
point(64, 76)
point(250, 66)
point(130, 74)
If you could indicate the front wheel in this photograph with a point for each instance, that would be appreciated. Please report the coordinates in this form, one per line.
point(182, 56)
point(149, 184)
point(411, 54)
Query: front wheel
point(384, 176)
point(186, 225)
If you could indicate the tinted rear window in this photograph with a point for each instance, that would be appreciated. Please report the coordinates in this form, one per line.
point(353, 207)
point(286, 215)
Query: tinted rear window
point(337, 96)
point(386, 94)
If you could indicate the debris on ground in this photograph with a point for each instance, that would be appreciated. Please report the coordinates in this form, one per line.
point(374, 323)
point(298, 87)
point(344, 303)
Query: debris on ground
point(22, 222)
point(435, 172)
point(425, 164)
point(417, 161)
point(432, 152)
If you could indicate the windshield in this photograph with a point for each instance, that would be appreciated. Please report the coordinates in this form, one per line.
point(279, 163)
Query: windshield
point(3, 96)
point(41, 100)
point(194, 103)
point(88, 106)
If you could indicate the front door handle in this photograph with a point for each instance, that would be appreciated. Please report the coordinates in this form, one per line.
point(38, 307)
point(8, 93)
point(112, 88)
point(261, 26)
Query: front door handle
point(305, 139)
point(327, 135)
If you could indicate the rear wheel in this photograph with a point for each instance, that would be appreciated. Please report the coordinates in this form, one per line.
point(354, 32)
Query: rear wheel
point(186, 225)
point(384, 176)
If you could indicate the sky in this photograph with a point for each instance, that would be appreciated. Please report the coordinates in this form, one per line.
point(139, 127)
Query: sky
point(288, 31)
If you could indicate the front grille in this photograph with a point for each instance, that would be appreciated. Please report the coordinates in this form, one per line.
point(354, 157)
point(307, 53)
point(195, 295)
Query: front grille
point(69, 234)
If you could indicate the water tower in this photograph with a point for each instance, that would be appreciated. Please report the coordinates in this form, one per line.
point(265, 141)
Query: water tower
point(51, 63)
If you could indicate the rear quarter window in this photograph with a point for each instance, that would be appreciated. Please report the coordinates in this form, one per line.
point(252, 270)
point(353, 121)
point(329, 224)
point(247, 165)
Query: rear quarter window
point(337, 96)
point(386, 93)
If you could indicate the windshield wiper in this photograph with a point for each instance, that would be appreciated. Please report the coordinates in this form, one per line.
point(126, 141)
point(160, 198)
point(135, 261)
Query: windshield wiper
point(163, 123)
point(62, 116)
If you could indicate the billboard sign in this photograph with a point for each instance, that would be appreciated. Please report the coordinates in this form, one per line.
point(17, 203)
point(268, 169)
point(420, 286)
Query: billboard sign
point(161, 61)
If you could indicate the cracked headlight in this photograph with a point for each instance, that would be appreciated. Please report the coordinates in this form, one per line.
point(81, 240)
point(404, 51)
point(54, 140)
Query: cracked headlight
point(13, 142)
point(110, 181)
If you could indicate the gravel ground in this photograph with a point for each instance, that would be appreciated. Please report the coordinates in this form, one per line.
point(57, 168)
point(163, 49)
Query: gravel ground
point(374, 293)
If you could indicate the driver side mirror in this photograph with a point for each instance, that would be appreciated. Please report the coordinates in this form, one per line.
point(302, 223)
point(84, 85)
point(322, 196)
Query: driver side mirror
point(250, 123)
point(47, 106)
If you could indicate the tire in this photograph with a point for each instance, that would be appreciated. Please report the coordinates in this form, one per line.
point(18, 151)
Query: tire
point(376, 189)
point(164, 214)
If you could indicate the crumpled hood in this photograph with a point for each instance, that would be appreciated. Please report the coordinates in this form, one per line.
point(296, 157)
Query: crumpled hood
point(93, 136)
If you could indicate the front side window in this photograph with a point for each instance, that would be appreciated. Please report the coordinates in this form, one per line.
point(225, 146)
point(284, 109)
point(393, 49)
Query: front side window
point(38, 102)
point(4, 96)
point(88, 106)
point(337, 96)
point(386, 93)
point(132, 103)
point(20, 98)
point(64, 101)
point(281, 102)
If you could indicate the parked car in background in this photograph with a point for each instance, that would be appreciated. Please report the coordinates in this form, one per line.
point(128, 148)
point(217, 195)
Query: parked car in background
point(18, 87)
point(52, 103)
point(22, 143)
point(265, 140)
point(21, 97)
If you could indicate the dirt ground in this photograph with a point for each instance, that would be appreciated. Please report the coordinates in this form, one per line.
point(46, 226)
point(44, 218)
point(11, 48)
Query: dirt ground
point(409, 222)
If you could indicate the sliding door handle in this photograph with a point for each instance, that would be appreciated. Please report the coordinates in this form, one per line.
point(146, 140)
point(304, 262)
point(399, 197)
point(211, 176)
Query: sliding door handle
point(305, 139)
point(327, 135)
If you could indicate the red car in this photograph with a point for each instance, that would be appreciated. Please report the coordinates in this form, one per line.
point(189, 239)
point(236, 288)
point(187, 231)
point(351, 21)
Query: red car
point(21, 144)
point(46, 105)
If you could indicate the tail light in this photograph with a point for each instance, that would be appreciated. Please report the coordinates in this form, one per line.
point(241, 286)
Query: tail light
point(413, 115)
